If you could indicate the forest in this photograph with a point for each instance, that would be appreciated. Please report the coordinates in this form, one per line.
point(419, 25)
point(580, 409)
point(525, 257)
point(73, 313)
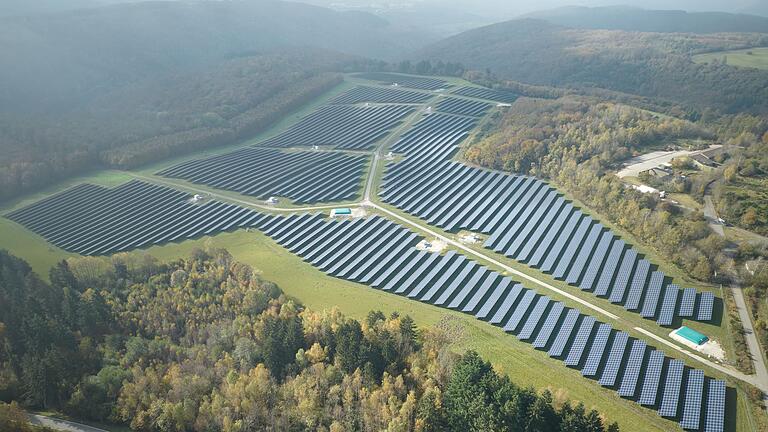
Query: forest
point(204, 344)
point(656, 65)
point(573, 141)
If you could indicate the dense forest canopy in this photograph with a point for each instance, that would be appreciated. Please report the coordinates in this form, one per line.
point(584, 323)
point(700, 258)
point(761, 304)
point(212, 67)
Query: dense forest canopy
point(204, 344)
point(663, 21)
point(646, 64)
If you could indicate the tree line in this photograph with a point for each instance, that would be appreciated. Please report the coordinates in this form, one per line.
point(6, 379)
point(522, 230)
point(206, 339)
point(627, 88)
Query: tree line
point(204, 344)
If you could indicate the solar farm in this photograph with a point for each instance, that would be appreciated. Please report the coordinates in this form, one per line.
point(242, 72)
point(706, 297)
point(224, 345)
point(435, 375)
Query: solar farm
point(331, 155)
point(390, 79)
point(302, 176)
point(93, 220)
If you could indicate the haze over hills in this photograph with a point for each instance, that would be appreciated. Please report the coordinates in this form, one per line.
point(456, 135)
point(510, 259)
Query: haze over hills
point(77, 84)
point(50, 57)
point(664, 21)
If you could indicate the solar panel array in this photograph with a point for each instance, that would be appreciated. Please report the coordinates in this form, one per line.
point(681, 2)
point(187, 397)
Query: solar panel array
point(715, 418)
point(423, 83)
point(525, 219)
point(304, 177)
point(341, 126)
point(95, 220)
point(465, 107)
point(488, 94)
point(387, 95)
point(382, 254)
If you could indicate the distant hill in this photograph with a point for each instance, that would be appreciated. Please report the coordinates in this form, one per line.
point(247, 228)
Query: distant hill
point(51, 57)
point(664, 21)
point(124, 84)
point(647, 64)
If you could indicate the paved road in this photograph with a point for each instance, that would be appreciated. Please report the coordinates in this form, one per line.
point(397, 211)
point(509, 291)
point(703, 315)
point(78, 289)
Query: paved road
point(761, 371)
point(61, 425)
point(711, 216)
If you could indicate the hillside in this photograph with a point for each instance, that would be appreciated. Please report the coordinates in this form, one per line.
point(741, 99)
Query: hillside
point(56, 56)
point(119, 85)
point(647, 64)
point(663, 21)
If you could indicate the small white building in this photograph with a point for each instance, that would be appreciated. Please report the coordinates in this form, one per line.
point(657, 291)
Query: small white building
point(341, 213)
point(272, 200)
point(197, 198)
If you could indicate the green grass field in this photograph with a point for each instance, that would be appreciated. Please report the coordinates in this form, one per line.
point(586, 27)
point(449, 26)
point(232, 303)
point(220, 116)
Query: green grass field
point(752, 58)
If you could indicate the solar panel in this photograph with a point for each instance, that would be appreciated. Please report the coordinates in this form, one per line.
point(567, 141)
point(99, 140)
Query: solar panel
point(549, 254)
point(458, 280)
point(533, 258)
point(691, 418)
point(564, 334)
point(549, 325)
point(596, 352)
point(609, 268)
point(671, 394)
point(585, 248)
point(580, 341)
point(509, 301)
point(496, 293)
point(714, 421)
point(442, 282)
point(520, 310)
point(623, 277)
point(638, 285)
point(571, 248)
point(446, 261)
point(611, 370)
point(706, 302)
point(469, 287)
point(687, 303)
point(651, 379)
point(667, 314)
point(652, 294)
point(542, 227)
point(533, 319)
point(482, 292)
point(595, 262)
point(632, 371)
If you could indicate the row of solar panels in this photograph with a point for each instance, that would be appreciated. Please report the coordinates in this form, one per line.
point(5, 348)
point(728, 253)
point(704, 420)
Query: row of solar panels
point(387, 95)
point(503, 96)
point(528, 221)
point(341, 126)
point(304, 177)
point(460, 106)
point(94, 220)
point(380, 253)
point(417, 82)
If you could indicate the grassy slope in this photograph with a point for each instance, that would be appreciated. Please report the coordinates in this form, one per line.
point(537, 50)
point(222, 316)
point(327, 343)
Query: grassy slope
point(758, 59)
